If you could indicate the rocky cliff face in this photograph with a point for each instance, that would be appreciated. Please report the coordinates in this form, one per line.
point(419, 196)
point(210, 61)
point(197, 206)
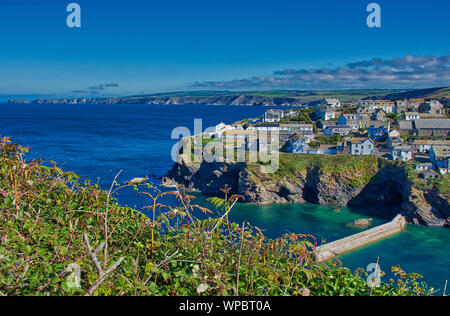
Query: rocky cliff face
point(387, 185)
point(427, 207)
point(207, 100)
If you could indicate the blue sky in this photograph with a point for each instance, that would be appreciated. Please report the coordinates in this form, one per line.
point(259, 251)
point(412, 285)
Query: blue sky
point(137, 46)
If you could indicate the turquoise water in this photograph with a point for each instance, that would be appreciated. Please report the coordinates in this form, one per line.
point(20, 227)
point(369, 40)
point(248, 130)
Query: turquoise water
point(98, 141)
point(424, 250)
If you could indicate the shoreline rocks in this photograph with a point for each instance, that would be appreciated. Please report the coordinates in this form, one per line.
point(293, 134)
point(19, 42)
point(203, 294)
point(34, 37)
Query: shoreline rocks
point(387, 186)
point(361, 223)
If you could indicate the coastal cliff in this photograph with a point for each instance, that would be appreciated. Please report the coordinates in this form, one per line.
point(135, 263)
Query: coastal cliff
point(339, 181)
point(176, 100)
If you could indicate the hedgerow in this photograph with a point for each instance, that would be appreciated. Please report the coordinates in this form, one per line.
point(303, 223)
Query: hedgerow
point(60, 235)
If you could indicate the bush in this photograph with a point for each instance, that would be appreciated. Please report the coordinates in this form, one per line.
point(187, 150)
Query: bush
point(61, 236)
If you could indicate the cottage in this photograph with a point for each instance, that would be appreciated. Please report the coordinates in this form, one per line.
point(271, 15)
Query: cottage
point(440, 157)
point(296, 145)
point(424, 146)
point(332, 102)
point(378, 130)
point(272, 116)
point(220, 129)
point(337, 130)
point(362, 146)
point(324, 112)
point(402, 153)
point(355, 121)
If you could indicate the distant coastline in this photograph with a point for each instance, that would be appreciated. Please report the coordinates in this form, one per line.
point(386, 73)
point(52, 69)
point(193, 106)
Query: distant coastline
point(293, 98)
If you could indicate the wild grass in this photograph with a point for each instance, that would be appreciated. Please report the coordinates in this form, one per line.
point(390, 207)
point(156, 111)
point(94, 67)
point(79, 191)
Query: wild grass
point(337, 164)
point(63, 236)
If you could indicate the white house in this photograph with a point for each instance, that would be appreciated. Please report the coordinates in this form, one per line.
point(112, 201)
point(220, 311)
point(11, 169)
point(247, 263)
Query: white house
point(362, 147)
point(332, 102)
point(402, 153)
point(220, 129)
point(325, 113)
point(297, 146)
point(272, 116)
point(394, 139)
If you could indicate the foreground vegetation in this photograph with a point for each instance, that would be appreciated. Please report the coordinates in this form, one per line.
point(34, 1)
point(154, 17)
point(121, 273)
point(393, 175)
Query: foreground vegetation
point(63, 236)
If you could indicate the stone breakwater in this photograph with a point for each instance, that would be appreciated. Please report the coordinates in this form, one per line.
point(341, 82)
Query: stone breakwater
point(382, 184)
point(338, 247)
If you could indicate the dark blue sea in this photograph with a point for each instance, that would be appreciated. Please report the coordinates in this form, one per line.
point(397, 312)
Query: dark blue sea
point(97, 141)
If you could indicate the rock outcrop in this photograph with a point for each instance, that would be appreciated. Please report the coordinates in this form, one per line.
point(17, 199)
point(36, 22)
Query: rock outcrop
point(387, 184)
point(362, 223)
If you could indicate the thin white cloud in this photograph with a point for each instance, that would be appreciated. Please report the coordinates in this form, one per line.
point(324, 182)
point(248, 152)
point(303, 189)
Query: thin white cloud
point(96, 89)
point(406, 72)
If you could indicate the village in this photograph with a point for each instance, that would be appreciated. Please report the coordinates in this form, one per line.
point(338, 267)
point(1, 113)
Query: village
point(416, 131)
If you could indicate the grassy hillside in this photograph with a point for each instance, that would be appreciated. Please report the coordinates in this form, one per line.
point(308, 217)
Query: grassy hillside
point(303, 95)
point(292, 163)
point(431, 93)
point(60, 236)
point(443, 93)
point(317, 95)
point(293, 97)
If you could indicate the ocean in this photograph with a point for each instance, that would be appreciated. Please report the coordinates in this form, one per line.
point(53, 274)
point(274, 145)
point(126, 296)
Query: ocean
point(98, 141)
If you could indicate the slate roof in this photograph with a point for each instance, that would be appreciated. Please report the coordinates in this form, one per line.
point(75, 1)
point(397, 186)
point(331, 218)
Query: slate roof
point(405, 125)
point(432, 124)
